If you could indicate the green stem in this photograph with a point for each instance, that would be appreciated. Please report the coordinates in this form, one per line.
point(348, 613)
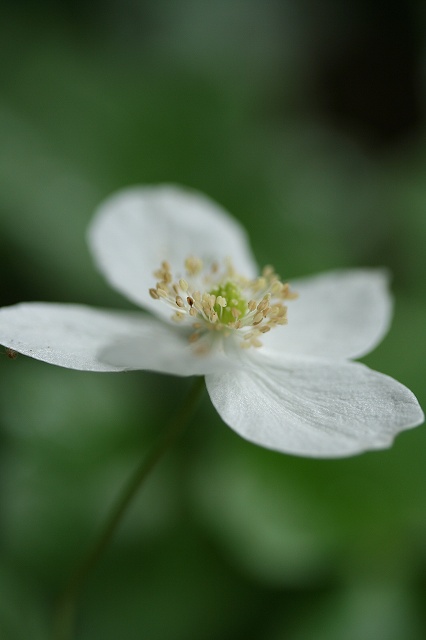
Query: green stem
point(64, 618)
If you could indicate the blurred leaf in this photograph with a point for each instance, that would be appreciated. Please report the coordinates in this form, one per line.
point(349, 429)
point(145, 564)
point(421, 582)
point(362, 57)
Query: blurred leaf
point(23, 613)
point(360, 612)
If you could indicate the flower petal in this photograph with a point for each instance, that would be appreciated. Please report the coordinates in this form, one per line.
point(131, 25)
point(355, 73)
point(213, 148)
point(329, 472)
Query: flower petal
point(314, 407)
point(341, 314)
point(65, 335)
point(136, 230)
point(158, 347)
point(79, 337)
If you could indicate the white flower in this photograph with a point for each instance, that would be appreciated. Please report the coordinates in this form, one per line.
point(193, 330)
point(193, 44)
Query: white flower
point(292, 387)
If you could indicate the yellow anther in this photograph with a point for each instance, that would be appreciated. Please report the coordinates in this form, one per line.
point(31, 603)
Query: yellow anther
point(178, 316)
point(262, 305)
point(267, 271)
point(259, 284)
point(252, 305)
point(183, 285)
point(193, 265)
point(265, 328)
point(276, 288)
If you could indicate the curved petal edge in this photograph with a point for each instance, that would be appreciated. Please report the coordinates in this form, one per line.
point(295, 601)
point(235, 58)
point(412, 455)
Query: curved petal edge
point(315, 408)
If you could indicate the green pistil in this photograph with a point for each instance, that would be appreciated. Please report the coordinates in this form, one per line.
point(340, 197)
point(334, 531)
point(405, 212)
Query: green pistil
point(234, 299)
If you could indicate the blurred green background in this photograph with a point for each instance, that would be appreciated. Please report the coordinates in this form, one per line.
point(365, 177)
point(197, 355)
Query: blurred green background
point(305, 120)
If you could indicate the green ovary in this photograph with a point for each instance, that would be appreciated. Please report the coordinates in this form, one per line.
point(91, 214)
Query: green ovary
point(234, 299)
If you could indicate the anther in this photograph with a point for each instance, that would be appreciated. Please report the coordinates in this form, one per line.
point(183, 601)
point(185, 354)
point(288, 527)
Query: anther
point(252, 305)
point(262, 305)
point(265, 328)
point(193, 265)
point(267, 271)
point(276, 288)
point(183, 284)
point(178, 316)
point(259, 284)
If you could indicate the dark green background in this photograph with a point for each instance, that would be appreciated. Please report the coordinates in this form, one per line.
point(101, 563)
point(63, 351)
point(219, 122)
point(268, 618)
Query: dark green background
point(306, 121)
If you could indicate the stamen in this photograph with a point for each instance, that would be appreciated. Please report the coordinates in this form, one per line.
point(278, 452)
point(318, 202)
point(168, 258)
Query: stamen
point(265, 328)
point(252, 305)
point(178, 317)
point(228, 304)
point(193, 265)
point(183, 285)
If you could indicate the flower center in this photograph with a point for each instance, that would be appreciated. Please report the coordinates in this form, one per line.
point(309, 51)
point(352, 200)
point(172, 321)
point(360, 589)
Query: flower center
point(216, 299)
point(230, 303)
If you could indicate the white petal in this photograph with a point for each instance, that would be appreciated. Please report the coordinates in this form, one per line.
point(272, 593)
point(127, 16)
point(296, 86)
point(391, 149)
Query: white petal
point(159, 347)
point(314, 407)
point(138, 228)
point(338, 314)
point(79, 337)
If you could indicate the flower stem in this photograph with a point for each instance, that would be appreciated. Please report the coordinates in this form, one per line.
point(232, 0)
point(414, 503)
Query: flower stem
point(65, 611)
